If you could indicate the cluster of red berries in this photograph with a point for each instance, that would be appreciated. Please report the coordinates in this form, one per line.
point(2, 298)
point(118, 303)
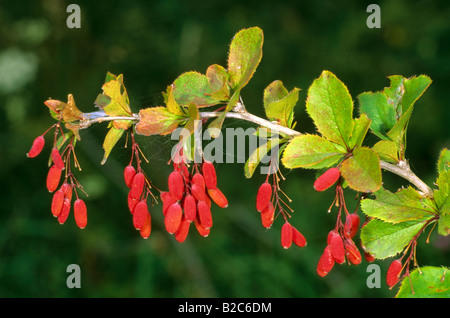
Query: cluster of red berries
point(189, 198)
point(266, 200)
point(62, 196)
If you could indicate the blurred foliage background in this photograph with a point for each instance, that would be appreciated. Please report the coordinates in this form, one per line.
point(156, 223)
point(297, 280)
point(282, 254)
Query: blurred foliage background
point(151, 43)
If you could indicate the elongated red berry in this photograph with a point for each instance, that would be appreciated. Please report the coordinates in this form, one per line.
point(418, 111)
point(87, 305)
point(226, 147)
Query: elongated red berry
point(67, 189)
point(131, 202)
point(190, 208)
point(198, 179)
point(173, 216)
point(326, 262)
point(140, 214)
point(336, 245)
point(198, 193)
point(209, 174)
point(147, 228)
point(201, 229)
point(53, 178)
point(393, 273)
point(204, 214)
point(183, 230)
point(218, 197)
point(80, 212)
point(176, 185)
point(128, 174)
point(167, 200)
point(369, 257)
point(263, 197)
point(352, 252)
point(327, 179)
point(62, 217)
point(298, 238)
point(56, 158)
point(57, 202)
point(137, 186)
point(286, 235)
point(267, 215)
point(351, 225)
point(37, 146)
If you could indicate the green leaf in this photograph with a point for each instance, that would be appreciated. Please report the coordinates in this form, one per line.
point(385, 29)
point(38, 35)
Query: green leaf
point(193, 87)
point(383, 239)
point(360, 129)
point(258, 154)
point(444, 160)
point(244, 56)
point(111, 138)
point(427, 282)
point(362, 170)
point(331, 107)
point(218, 79)
point(380, 112)
point(171, 103)
point(387, 150)
point(442, 199)
point(157, 121)
point(312, 152)
point(279, 103)
point(116, 94)
point(404, 205)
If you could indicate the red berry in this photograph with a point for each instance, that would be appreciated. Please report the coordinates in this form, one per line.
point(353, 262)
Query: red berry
point(128, 174)
point(326, 262)
point(36, 148)
point(173, 216)
point(286, 235)
point(57, 202)
point(267, 215)
point(200, 229)
point(198, 193)
point(62, 217)
point(140, 214)
point(327, 179)
point(132, 202)
point(183, 230)
point(137, 186)
point(176, 185)
point(218, 197)
point(80, 212)
point(167, 201)
point(56, 158)
point(336, 247)
point(298, 238)
point(190, 208)
point(352, 252)
point(351, 225)
point(369, 257)
point(147, 228)
point(393, 273)
point(209, 174)
point(67, 189)
point(263, 197)
point(204, 214)
point(53, 177)
point(199, 180)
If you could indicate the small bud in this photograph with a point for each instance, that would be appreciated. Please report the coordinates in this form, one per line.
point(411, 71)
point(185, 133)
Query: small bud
point(36, 148)
point(218, 197)
point(80, 212)
point(327, 179)
point(56, 158)
point(263, 197)
point(326, 262)
point(393, 273)
point(53, 178)
point(176, 185)
point(209, 174)
point(173, 216)
point(128, 174)
point(286, 235)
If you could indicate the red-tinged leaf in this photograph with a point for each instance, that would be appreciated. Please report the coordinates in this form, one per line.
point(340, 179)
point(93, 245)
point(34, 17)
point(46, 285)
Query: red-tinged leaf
point(172, 219)
point(190, 208)
point(157, 121)
point(327, 179)
point(267, 215)
point(298, 238)
point(263, 197)
point(198, 179)
point(62, 217)
point(57, 202)
point(167, 201)
point(80, 213)
point(326, 262)
point(336, 245)
point(209, 174)
point(218, 197)
point(204, 214)
point(393, 273)
point(198, 193)
point(137, 186)
point(183, 230)
point(201, 229)
point(128, 174)
point(351, 252)
point(351, 225)
point(36, 148)
point(56, 158)
point(140, 214)
point(147, 228)
point(53, 178)
point(176, 185)
point(286, 235)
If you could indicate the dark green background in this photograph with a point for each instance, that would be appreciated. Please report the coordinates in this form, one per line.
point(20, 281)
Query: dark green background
point(151, 43)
